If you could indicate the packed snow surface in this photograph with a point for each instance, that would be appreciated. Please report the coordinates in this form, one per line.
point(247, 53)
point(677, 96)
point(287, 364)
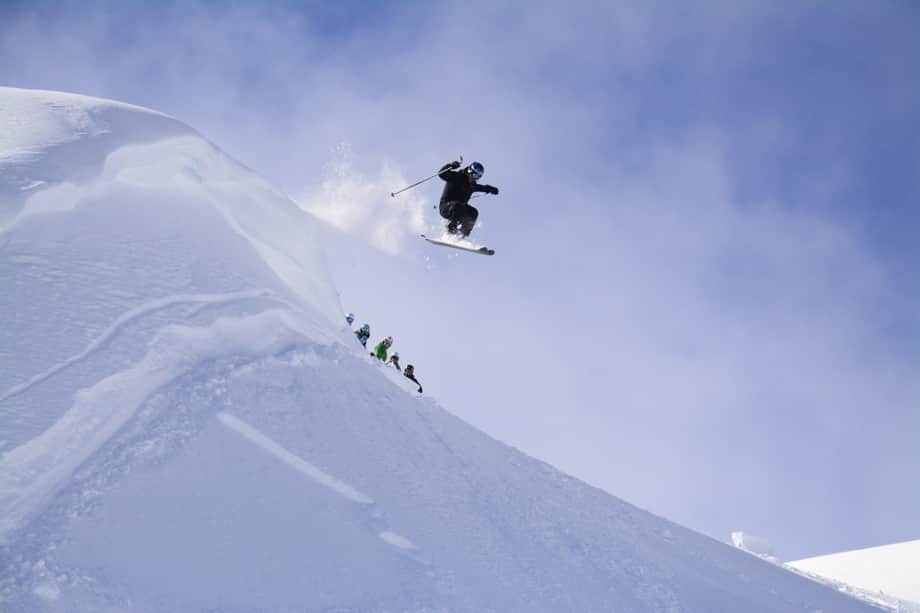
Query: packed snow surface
point(187, 424)
point(889, 569)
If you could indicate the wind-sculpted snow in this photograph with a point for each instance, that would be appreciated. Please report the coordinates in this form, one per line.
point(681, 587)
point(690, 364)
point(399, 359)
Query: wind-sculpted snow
point(123, 320)
point(52, 139)
point(186, 424)
point(100, 261)
point(35, 470)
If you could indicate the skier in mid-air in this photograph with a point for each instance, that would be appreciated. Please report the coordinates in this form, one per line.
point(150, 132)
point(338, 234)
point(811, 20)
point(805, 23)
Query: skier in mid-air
point(455, 199)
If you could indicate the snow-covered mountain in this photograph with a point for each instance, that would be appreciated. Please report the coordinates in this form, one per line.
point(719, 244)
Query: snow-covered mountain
point(891, 570)
point(188, 425)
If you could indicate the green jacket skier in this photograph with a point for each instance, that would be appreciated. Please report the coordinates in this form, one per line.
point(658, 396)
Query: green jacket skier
point(380, 350)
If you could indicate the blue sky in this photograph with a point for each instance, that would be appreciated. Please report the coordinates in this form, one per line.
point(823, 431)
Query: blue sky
point(704, 294)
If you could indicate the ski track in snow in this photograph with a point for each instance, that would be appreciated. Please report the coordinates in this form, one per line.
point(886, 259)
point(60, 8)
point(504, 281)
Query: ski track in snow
point(32, 472)
point(299, 464)
point(132, 315)
point(397, 541)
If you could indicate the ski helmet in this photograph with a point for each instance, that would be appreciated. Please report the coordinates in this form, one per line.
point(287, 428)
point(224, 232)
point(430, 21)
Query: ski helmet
point(395, 355)
point(366, 327)
point(476, 170)
point(350, 318)
point(388, 340)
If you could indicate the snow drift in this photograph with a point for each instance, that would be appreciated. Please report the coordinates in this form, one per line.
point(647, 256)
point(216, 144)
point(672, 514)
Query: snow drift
point(893, 570)
point(187, 425)
point(757, 545)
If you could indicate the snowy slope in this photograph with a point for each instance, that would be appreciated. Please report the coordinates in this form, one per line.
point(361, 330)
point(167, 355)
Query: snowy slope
point(890, 569)
point(187, 425)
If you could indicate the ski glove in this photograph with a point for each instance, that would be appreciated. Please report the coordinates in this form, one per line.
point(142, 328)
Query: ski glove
point(455, 165)
point(491, 190)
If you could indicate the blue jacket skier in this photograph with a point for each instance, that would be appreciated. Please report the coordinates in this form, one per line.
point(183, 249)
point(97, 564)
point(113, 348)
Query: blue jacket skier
point(364, 333)
point(455, 199)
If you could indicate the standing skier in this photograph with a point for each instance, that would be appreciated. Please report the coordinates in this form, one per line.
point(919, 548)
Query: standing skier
point(380, 350)
point(394, 360)
point(409, 373)
point(364, 333)
point(455, 199)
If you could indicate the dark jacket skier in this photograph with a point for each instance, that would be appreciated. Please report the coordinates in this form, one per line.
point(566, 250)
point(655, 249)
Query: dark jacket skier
point(409, 373)
point(363, 333)
point(455, 205)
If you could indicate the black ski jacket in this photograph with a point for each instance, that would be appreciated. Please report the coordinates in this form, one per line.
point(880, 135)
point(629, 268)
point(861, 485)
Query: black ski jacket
point(459, 188)
point(413, 379)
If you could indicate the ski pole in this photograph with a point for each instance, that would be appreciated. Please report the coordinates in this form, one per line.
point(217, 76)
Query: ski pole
point(393, 194)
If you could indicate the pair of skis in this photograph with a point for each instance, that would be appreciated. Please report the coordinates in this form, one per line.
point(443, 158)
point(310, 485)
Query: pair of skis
point(460, 244)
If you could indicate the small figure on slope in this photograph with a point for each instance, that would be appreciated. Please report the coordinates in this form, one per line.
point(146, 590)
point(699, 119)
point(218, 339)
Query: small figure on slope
point(380, 350)
point(364, 333)
point(350, 318)
point(409, 373)
point(394, 360)
point(455, 199)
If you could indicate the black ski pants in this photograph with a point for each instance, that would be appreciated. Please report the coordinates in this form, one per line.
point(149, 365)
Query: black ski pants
point(461, 215)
